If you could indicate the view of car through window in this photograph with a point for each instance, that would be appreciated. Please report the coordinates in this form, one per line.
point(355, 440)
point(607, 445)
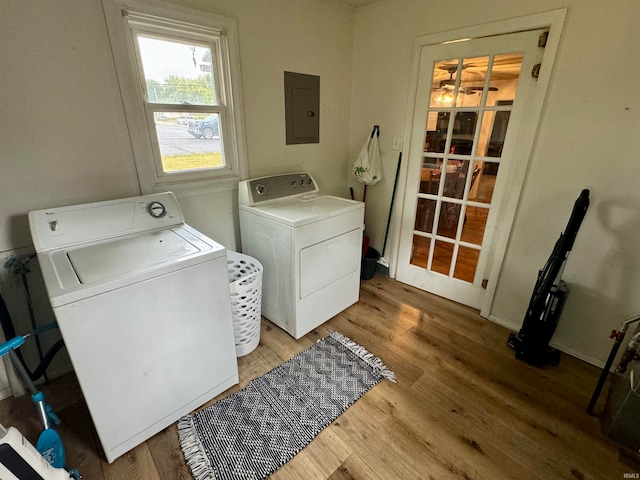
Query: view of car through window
point(178, 73)
point(207, 128)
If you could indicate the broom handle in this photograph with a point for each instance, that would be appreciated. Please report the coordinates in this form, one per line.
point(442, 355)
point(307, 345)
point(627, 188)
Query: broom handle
point(393, 197)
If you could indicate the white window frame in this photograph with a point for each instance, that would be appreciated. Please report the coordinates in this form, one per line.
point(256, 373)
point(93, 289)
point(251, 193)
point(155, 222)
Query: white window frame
point(127, 18)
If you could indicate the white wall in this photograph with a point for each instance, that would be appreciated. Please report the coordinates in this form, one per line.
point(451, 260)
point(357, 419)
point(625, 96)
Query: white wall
point(63, 138)
point(588, 138)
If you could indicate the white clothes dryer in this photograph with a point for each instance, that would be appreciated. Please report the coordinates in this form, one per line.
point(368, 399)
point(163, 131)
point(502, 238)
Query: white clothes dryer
point(310, 247)
point(142, 302)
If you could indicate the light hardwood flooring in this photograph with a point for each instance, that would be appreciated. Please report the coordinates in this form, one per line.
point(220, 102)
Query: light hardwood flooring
point(463, 407)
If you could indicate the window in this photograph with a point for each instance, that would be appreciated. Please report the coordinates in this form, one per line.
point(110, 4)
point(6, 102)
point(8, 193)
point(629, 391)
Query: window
point(177, 69)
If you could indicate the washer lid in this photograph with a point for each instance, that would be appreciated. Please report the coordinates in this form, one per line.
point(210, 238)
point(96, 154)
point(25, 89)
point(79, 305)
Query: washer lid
point(78, 272)
point(303, 210)
point(139, 253)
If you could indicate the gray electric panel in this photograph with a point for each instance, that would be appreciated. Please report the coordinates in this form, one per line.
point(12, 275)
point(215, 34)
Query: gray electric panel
point(302, 107)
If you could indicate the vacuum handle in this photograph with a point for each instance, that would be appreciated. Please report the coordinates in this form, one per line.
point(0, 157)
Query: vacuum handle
point(577, 215)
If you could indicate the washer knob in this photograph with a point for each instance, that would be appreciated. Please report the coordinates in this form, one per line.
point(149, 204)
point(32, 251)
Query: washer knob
point(156, 210)
point(260, 189)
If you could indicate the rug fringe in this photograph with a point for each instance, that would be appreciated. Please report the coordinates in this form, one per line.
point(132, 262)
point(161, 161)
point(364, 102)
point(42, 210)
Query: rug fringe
point(193, 451)
point(365, 355)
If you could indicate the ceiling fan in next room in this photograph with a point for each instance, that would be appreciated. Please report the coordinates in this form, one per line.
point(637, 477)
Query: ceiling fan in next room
point(444, 90)
point(448, 84)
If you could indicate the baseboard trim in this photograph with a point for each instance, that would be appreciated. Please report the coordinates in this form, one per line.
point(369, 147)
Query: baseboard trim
point(5, 393)
point(515, 326)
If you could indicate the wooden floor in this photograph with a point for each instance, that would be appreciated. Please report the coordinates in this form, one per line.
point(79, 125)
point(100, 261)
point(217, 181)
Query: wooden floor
point(463, 407)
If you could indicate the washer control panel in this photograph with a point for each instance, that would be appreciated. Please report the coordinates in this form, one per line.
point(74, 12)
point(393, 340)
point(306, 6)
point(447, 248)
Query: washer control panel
point(156, 209)
point(75, 224)
point(259, 190)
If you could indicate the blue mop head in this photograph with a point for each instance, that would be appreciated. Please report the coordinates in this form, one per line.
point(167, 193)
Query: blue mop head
point(50, 447)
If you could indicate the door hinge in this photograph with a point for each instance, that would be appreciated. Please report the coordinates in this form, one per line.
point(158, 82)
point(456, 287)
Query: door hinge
point(542, 39)
point(535, 71)
point(485, 281)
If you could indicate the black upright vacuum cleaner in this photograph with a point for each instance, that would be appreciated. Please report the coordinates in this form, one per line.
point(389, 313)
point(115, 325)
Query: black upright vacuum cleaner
point(531, 343)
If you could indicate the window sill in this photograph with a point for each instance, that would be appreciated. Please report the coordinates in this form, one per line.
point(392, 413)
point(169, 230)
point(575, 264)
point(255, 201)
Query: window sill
point(194, 188)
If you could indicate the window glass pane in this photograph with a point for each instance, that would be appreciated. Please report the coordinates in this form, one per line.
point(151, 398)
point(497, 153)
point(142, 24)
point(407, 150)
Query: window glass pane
point(189, 141)
point(178, 73)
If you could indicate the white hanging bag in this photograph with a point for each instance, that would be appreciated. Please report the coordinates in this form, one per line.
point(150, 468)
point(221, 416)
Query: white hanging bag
point(368, 166)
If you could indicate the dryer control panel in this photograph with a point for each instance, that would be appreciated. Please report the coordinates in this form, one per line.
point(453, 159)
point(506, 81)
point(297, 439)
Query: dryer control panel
point(265, 189)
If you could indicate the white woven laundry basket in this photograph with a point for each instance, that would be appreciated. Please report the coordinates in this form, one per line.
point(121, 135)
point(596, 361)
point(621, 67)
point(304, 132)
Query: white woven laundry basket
point(245, 284)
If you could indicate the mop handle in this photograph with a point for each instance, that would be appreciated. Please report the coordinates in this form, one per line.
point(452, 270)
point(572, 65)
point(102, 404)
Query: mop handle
point(9, 345)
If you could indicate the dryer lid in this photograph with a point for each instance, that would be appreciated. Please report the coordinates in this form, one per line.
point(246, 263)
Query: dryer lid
point(139, 253)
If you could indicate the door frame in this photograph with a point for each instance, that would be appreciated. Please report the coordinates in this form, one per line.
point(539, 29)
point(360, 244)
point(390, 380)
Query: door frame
point(554, 21)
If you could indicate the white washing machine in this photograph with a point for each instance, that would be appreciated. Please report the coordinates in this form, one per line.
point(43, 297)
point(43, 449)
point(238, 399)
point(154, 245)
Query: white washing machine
point(142, 301)
point(309, 244)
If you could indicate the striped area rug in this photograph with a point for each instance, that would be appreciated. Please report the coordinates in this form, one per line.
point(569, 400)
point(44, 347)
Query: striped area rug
point(251, 433)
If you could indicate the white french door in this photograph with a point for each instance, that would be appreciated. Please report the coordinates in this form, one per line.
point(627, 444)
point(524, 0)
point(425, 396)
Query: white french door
point(472, 101)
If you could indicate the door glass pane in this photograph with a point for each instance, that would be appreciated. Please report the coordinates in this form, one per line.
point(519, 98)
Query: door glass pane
point(474, 73)
point(176, 72)
point(443, 83)
point(442, 255)
point(420, 251)
point(463, 174)
point(430, 176)
point(424, 215)
point(189, 141)
point(436, 136)
point(482, 188)
point(466, 264)
point(504, 77)
point(464, 128)
point(454, 180)
point(494, 131)
point(475, 222)
point(448, 223)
